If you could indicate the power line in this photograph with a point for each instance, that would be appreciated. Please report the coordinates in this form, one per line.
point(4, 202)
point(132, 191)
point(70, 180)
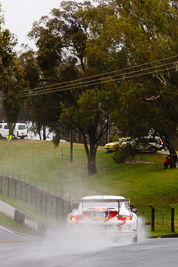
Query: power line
point(93, 82)
point(107, 73)
point(108, 81)
point(100, 75)
point(96, 81)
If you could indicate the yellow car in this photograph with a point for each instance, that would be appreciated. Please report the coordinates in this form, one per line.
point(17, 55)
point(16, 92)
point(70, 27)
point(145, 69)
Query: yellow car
point(111, 146)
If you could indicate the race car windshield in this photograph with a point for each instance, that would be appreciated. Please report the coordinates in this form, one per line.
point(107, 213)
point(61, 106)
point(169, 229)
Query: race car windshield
point(102, 204)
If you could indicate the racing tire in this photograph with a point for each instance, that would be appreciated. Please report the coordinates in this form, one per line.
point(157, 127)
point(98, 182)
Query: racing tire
point(135, 239)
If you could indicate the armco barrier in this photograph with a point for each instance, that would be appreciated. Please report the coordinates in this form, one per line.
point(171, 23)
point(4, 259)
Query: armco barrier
point(7, 209)
point(23, 219)
point(30, 222)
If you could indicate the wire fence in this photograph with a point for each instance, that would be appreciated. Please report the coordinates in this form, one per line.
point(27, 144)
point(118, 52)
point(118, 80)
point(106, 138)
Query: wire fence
point(36, 196)
point(159, 217)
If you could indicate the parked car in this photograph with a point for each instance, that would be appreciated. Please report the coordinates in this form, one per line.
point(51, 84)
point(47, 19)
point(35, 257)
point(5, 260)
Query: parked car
point(103, 214)
point(146, 143)
point(110, 147)
point(20, 130)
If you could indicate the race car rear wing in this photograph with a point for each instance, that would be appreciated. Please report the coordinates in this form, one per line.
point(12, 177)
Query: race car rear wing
point(78, 201)
point(82, 201)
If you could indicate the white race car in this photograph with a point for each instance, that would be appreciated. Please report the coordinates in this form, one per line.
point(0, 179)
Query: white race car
point(105, 214)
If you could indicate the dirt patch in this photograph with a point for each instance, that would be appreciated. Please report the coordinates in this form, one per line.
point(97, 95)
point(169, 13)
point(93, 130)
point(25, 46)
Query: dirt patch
point(140, 162)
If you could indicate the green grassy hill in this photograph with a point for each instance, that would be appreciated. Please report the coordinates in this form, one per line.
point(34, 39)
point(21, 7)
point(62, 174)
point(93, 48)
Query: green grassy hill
point(144, 180)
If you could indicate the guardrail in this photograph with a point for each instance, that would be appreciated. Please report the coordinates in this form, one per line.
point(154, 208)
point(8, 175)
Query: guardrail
point(23, 219)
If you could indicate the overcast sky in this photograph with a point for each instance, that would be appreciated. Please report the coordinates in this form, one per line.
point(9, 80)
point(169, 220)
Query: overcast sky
point(19, 16)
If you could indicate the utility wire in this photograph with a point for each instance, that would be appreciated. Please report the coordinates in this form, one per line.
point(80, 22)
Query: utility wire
point(93, 82)
point(96, 81)
point(106, 73)
point(102, 82)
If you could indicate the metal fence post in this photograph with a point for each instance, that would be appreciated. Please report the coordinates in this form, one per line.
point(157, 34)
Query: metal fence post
point(36, 198)
point(41, 207)
point(7, 186)
point(69, 202)
point(71, 144)
point(57, 207)
point(46, 203)
point(30, 191)
point(1, 184)
point(15, 188)
point(62, 208)
point(172, 220)
point(61, 178)
point(152, 218)
point(51, 197)
point(26, 199)
point(20, 190)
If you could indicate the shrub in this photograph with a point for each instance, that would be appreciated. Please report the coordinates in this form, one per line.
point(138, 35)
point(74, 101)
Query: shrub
point(115, 138)
point(123, 153)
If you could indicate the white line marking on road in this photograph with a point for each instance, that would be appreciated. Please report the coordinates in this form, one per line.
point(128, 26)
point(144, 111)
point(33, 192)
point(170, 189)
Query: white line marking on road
point(7, 230)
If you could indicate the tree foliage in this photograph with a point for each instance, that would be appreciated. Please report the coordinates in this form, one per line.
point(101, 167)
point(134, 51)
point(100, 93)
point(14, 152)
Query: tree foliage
point(11, 77)
point(90, 115)
point(61, 57)
point(147, 32)
point(136, 38)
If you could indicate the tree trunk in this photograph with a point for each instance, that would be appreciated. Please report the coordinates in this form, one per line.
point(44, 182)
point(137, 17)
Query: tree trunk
point(11, 128)
point(93, 149)
point(91, 154)
point(92, 160)
point(39, 135)
point(44, 132)
point(172, 151)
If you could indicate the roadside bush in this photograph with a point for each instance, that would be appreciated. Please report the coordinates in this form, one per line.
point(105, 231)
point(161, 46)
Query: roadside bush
point(115, 138)
point(56, 139)
point(123, 153)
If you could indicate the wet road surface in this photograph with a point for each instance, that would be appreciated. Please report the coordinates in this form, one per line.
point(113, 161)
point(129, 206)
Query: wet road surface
point(62, 251)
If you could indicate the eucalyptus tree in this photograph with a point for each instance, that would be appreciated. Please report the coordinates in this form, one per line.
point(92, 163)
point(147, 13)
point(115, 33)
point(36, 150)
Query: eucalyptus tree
point(80, 40)
point(53, 63)
point(142, 35)
point(61, 40)
point(7, 43)
point(12, 81)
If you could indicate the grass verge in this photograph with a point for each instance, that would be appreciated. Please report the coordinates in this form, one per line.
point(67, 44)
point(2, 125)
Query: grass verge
point(8, 222)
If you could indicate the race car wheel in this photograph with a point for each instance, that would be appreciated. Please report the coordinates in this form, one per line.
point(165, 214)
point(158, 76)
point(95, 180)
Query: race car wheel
point(135, 239)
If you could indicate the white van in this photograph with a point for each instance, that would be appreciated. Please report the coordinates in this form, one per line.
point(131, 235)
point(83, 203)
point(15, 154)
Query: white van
point(20, 130)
